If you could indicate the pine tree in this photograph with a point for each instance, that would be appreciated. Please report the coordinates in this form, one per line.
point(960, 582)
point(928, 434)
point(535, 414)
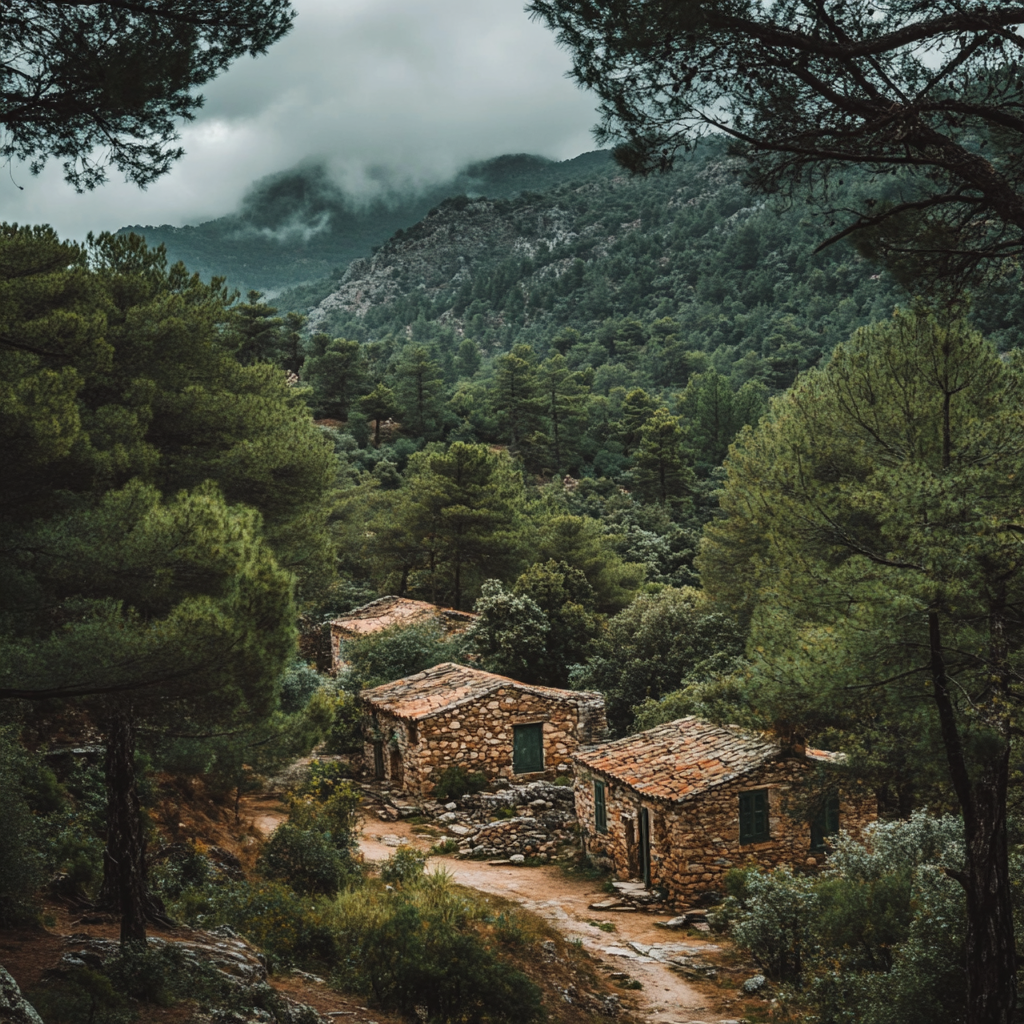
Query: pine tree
point(870, 531)
point(456, 521)
point(336, 376)
point(514, 394)
point(661, 458)
point(379, 405)
point(563, 395)
point(420, 392)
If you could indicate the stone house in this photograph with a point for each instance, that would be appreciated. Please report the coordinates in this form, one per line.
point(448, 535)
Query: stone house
point(452, 715)
point(680, 804)
point(390, 611)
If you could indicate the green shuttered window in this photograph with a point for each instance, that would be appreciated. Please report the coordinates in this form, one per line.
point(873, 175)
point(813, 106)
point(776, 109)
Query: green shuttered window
point(528, 748)
point(754, 816)
point(600, 808)
point(826, 823)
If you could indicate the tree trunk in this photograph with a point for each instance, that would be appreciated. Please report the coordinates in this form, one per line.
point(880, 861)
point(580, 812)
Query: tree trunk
point(991, 953)
point(124, 889)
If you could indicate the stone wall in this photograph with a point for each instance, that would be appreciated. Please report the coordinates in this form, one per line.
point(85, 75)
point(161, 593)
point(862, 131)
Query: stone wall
point(477, 736)
point(543, 819)
point(695, 842)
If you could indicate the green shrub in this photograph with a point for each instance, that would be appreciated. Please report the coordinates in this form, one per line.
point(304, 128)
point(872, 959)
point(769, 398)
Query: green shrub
point(289, 927)
point(423, 946)
point(298, 685)
point(877, 938)
point(454, 783)
point(404, 866)
point(186, 867)
point(336, 817)
point(306, 859)
point(83, 996)
point(345, 735)
point(445, 846)
point(400, 651)
point(774, 926)
point(323, 778)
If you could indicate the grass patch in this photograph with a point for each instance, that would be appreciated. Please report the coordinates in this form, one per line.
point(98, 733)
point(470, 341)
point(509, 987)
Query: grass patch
point(446, 846)
point(605, 926)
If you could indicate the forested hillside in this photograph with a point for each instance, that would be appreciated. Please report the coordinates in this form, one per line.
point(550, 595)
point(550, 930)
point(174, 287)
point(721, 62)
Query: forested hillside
point(300, 226)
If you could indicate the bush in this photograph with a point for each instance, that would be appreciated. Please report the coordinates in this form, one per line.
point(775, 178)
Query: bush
point(400, 651)
point(345, 735)
point(405, 865)
point(306, 859)
point(84, 996)
point(775, 924)
point(877, 938)
point(335, 818)
point(454, 783)
point(287, 926)
point(445, 846)
point(298, 685)
point(324, 778)
point(401, 948)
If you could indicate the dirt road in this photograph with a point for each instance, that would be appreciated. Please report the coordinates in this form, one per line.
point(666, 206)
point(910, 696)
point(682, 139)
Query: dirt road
point(623, 944)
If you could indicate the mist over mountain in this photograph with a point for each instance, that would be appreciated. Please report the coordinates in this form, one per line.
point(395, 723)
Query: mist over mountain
point(302, 225)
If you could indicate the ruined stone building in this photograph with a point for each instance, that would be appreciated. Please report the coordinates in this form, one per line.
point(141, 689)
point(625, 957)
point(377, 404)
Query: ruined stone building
point(451, 715)
point(388, 612)
point(682, 803)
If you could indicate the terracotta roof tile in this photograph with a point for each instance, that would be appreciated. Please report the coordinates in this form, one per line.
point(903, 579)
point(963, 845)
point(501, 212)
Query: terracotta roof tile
point(444, 686)
point(398, 611)
point(681, 759)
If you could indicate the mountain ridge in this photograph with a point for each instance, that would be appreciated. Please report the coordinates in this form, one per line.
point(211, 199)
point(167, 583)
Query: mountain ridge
point(299, 225)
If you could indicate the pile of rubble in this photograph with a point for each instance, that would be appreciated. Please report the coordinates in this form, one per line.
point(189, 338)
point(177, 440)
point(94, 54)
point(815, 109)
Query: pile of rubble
point(531, 820)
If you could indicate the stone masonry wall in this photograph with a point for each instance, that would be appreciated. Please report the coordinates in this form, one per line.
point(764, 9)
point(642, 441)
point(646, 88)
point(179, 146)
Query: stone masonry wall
point(544, 819)
point(695, 842)
point(477, 736)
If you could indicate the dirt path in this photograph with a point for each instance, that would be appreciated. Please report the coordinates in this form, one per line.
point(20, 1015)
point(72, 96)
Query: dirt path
point(619, 946)
point(668, 997)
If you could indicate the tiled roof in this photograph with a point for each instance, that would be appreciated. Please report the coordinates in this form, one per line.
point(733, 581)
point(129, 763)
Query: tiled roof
point(398, 611)
point(681, 759)
point(447, 685)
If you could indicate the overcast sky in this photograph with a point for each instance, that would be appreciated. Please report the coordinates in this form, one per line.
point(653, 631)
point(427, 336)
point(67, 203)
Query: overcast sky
point(418, 86)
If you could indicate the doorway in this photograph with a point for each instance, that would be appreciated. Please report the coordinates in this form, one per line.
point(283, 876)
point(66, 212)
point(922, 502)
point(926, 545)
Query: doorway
point(645, 847)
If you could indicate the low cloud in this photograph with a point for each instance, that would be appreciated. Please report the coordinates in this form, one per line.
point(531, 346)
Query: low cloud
point(386, 94)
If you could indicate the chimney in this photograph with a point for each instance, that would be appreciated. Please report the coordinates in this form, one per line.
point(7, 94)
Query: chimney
point(789, 738)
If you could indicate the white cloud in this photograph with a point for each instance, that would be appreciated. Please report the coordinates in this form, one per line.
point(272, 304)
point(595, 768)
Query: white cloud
point(419, 87)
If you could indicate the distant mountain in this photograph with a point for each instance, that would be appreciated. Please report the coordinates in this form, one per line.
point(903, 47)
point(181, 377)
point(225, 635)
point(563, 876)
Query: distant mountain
point(739, 276)
point(300, 226)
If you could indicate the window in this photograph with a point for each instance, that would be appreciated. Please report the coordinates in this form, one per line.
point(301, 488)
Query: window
point(754, 816)
point(600, 808)
point(826, 822)
point(528, 748)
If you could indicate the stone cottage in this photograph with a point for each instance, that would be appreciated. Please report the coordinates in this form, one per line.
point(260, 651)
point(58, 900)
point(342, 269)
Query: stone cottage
point(390, 611)
point(682, 803)
point(452, 715)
